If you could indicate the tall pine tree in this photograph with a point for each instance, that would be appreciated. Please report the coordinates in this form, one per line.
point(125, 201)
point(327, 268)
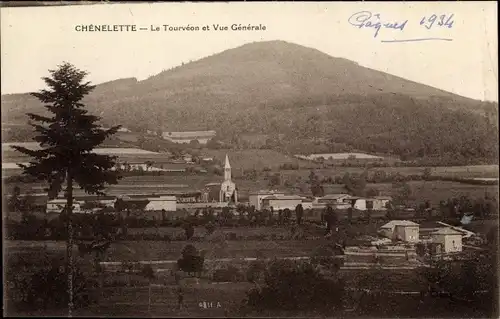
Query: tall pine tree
point(67, 138)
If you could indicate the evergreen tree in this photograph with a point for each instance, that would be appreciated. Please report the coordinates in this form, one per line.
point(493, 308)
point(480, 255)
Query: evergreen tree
point(299, 212)
point(67, 138)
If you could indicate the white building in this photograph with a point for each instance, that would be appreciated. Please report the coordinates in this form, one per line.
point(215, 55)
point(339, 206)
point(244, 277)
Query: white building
point(336, 201)
point(278, 202)
point(57, 205)
point(167, 203)
point(378, 202)
point(450, 239)
point(404, 230)
point(255, 198)
point(186, 137)
point(358, 203)
point(333, 199)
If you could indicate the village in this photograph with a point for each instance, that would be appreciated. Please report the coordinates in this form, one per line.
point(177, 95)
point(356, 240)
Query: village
point(406, 240)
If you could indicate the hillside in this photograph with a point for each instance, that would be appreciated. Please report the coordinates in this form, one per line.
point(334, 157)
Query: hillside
point(299, 94)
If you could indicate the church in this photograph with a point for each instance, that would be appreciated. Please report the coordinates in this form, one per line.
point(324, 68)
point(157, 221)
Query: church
point(228, 191)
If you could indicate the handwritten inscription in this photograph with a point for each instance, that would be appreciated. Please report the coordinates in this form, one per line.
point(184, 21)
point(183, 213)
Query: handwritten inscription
point(441, 21)
point(366, 19)
point(374, 21)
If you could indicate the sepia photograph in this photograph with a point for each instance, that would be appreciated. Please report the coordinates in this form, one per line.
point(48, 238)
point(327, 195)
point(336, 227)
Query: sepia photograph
point(241, 160)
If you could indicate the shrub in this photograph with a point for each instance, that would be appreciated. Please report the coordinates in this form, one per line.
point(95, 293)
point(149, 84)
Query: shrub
point(293, 286)
point(46, 288)
point(256, 271)
point(191, 261)
point(229, 274)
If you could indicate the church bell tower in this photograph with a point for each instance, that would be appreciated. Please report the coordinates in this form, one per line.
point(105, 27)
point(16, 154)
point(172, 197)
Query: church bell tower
point(228, 191)
point(227, 170)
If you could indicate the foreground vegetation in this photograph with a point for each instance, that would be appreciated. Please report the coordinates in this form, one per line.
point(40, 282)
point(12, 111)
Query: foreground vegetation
point(272, 287)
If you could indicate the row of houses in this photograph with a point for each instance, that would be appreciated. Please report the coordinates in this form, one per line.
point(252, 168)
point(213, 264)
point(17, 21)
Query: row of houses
point(168, 201)
point(447, 237)
point(279, 201)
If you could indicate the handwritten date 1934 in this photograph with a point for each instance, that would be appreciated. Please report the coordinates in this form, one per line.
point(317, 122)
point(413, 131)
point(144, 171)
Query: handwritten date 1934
point(366, 19)
point(442, 21)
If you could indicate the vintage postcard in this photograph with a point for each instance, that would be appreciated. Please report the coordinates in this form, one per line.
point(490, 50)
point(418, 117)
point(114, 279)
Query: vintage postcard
point(281, 159)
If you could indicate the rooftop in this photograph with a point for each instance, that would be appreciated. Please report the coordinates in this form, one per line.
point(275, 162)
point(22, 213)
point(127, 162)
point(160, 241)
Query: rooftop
point(189, 134)
point(446, 231)
point(335, 196)
point(394, 223)
point(266, 192)
point(162, 198)
point(283, 197)
point(213, 184)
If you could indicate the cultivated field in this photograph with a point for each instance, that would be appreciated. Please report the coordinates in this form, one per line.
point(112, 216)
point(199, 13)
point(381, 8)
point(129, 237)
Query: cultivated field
point(337, 156)
point(422, 191)
point(474, 171)
point(156, 250)
point(252, 159)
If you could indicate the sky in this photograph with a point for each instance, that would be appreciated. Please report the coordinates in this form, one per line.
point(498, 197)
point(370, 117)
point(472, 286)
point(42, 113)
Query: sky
point(36, 39)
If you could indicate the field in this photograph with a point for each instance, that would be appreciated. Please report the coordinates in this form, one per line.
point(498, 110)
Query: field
point(422, 191)
point(474, 171)
point(156, 250)
point(252, 159)
point(125, 294)
point(434, 191)
point(337, 156)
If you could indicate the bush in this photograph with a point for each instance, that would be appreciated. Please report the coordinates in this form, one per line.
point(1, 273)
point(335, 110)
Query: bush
point(229, 274)
point(256, 271)
point(324, 255)
point(46, 288)
point(191, 261)
point(293, 286)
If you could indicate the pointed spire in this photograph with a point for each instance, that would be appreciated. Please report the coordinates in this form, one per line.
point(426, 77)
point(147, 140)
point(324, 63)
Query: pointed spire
point(226, 165)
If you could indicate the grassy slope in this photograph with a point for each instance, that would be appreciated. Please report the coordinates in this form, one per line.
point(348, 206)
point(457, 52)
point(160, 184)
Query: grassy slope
point(252, 158)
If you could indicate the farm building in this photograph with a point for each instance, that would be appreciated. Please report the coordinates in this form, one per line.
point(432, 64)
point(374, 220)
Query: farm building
point(404, 230)
point(186, 137)
point(358, 203)
point(97, 201)
point(216, 206)
point(213, 191)
point(57, 205)
point(255, 198)
point(278, 202)
point(450, 239)
point(167, 203)
point(332, 199)
point(150, 165)
point(379, 202)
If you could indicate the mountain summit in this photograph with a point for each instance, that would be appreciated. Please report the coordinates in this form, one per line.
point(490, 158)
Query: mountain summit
point(276, 87)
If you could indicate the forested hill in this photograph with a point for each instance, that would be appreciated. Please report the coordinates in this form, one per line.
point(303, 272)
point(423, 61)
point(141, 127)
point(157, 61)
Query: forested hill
point(294, 96)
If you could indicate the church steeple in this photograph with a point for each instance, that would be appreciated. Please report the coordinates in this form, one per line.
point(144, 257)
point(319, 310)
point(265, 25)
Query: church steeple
point(228, 191)
point(227, 170)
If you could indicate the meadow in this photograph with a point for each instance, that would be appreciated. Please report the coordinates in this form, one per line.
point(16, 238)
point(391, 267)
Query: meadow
point(474, 171)
point(159, 250)
point(253, 158)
